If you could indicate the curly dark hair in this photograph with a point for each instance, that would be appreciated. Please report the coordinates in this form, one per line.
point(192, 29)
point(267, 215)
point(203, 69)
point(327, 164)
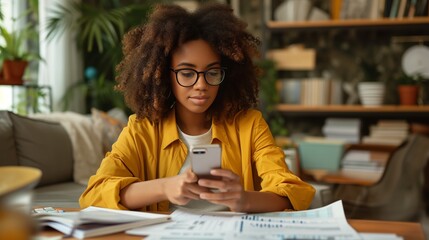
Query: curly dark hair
point(144, 75)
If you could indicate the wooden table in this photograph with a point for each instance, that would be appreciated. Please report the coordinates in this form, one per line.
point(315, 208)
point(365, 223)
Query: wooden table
point(408, 230)
point(342, 177)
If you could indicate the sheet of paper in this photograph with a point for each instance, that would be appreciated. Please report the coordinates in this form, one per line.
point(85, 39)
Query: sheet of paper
point(328, 222)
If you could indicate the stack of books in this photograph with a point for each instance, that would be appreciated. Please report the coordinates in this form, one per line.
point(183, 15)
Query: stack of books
point(365, 160)
point(310, 91)
point(387, 132)
point(344, 129)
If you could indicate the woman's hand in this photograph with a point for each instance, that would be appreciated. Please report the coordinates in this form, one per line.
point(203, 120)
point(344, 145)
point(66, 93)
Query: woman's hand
point(183, 188)
point(231, 193)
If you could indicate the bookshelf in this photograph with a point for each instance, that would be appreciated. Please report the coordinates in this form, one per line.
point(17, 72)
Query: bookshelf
point(393, 27)
point(297, 115)
point(310, 119)
point(394, 23)
point(356, 109)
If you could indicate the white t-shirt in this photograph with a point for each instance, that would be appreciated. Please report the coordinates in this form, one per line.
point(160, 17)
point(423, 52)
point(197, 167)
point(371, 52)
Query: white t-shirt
point(189, 141)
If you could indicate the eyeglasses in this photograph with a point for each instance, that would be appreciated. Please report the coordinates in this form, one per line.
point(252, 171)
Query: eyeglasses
point(187, 77)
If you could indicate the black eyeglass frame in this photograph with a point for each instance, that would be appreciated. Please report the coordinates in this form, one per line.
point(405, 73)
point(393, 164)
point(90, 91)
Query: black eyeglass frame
point(223, 69)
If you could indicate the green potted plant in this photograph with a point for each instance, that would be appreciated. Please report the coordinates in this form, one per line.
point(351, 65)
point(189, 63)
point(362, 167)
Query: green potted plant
point(14, 51)
point(15, 57)
point(408, 88)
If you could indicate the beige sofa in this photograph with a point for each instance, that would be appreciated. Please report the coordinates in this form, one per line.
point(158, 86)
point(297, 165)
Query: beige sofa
point(67, 147)
point(44, 145)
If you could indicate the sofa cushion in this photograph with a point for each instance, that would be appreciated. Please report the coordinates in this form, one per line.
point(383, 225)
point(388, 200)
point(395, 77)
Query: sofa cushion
point(62, 195)
point(7, 141)
point(85, 140)
point(43, 145)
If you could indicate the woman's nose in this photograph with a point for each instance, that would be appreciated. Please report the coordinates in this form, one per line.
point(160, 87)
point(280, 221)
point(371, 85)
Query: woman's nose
point(201, 82)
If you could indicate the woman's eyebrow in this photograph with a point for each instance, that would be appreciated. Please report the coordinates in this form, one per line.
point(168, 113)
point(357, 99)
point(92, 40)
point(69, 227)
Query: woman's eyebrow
point(186, 65)
point(194, 66)
point(212, 64)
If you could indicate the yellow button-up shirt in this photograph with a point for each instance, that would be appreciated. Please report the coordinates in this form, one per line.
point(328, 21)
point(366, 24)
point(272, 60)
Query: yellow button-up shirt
point(146, 151)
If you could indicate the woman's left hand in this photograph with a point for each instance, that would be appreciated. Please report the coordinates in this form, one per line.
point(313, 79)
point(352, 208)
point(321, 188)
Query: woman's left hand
point(230, 191)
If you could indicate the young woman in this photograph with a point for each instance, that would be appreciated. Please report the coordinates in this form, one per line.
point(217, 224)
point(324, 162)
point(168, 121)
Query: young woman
point(190, 80)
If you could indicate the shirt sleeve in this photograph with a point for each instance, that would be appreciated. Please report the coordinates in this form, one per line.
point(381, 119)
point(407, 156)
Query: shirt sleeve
point(271, 167)
point(119, 168)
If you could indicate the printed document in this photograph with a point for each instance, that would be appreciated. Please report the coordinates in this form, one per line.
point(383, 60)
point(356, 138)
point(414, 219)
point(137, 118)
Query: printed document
point(328, 222)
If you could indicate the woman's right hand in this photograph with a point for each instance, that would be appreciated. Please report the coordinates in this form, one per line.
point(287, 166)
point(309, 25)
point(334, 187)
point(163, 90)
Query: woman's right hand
point(183, 188)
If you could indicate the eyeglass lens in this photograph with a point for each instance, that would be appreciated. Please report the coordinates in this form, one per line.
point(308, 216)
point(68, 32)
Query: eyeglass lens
point(188, 77)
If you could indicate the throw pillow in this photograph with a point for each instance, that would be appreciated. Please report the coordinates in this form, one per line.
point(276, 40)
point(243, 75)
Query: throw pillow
point(109, 127)
point(43, 145)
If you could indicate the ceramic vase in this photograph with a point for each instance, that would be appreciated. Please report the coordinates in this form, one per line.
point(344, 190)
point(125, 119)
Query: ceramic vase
point(371, 93)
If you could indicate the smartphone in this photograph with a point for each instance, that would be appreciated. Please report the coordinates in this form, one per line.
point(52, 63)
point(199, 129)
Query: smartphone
point(205, 158)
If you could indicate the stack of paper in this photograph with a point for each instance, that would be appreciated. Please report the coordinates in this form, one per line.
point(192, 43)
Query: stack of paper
point(388, 132)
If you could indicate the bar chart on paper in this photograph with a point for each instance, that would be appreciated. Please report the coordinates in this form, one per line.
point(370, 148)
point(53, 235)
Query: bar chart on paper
point(328, 222)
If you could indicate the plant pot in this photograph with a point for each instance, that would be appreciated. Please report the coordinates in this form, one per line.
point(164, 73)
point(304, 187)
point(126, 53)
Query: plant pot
point(13, 70)
point(408, 94)
point(371, 93)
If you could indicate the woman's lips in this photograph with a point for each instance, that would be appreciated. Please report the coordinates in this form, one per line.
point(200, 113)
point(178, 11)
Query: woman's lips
point(199, 100)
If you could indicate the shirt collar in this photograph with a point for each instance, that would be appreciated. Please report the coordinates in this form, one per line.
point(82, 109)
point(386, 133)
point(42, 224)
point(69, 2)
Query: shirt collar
point(219, 131)
point(171, 133)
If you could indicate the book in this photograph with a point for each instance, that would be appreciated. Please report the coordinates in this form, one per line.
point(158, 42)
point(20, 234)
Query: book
point(335, 9)
point(394, 9)
point(387, 8)
point(350, 139)
point(346, 129)
point(412, 9)
point(401, 10)
point(383, 140)
point(393, 123)
point(381, 4)
point(421, 8)
point(373, 9)
point(96, 221)
point(407, 8)
point(367, 160)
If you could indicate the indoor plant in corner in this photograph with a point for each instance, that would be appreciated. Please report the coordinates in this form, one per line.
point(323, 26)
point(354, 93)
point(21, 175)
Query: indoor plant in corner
point(15, 57)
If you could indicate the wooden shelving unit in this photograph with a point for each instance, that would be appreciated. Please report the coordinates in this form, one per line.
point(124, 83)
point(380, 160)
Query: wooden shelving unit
point(393, 27)
point(355, 110)
point(349, 23)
